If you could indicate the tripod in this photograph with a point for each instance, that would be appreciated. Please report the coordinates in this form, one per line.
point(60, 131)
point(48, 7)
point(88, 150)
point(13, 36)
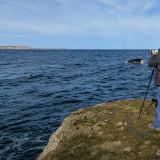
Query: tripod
point(141, 109)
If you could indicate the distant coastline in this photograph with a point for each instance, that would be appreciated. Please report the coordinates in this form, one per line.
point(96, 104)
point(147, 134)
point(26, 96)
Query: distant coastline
point(27, 48)
point(18, 47)
point(15, 47)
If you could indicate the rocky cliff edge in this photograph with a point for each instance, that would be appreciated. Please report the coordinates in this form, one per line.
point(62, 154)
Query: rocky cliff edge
point(108, 131)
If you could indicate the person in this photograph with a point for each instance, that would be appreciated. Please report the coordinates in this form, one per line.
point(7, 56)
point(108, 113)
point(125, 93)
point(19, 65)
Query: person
point(154, 61)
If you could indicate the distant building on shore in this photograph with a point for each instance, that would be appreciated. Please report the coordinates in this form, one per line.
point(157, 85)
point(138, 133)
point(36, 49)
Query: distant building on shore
point(15, 47)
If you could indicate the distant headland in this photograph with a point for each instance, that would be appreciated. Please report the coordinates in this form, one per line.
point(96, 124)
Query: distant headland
point(15, 47)
point(19, 47)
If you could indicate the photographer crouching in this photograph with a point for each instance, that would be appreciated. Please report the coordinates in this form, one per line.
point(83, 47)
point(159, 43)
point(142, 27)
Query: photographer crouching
point(154, 61)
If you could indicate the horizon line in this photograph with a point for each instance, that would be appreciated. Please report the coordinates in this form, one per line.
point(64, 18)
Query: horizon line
point(26, 47)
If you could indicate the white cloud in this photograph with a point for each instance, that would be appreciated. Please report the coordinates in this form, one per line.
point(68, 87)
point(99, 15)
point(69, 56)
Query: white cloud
point(69, 17)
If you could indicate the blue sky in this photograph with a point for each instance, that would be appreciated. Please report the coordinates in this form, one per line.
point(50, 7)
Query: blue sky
point(97, 24)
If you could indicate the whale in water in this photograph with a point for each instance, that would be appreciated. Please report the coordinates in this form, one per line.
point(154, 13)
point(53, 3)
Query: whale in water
point(136, 61)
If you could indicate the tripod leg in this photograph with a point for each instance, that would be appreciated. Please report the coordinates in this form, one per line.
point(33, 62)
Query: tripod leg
point(141, 109)
point(146, 109)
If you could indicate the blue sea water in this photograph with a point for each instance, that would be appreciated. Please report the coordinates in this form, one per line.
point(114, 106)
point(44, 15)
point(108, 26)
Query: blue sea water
point(38, 88)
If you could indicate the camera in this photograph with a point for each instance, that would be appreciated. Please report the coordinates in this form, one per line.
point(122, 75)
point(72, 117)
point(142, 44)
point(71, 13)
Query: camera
point(155, 51)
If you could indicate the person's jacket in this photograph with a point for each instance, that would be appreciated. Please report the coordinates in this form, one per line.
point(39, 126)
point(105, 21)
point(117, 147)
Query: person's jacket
point(154, 61)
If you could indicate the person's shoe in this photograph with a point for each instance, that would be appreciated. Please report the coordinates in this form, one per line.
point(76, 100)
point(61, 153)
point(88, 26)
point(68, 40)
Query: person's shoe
point(151, 127)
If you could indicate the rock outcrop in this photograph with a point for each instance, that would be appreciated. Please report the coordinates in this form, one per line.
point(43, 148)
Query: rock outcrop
point(105, 132)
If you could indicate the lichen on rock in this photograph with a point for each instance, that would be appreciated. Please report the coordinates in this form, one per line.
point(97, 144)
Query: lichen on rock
point(105, 132)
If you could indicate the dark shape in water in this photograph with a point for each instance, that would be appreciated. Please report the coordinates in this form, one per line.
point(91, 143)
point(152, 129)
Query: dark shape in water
point(136, 61)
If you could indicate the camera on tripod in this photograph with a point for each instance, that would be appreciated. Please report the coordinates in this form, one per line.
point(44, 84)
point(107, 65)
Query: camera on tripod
point(155, 51)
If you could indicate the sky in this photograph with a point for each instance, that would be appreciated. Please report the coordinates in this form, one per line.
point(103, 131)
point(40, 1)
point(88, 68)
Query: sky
point(81, 24)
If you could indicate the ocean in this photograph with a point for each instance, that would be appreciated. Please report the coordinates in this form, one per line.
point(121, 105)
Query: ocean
point(39, 88)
